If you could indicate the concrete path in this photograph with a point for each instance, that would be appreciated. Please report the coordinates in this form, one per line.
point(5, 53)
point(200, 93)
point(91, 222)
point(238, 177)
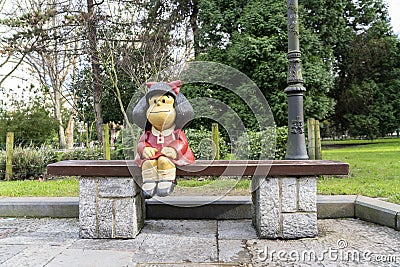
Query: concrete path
point(55, 242)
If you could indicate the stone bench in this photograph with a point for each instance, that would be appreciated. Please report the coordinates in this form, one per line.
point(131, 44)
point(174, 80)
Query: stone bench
point(284, 193)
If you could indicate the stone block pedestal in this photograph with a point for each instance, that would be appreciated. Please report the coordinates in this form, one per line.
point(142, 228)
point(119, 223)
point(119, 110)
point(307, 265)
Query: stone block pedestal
point(110, 207)
point(285, 207)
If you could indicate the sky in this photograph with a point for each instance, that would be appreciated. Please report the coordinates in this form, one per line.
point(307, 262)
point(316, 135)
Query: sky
point(394, 12)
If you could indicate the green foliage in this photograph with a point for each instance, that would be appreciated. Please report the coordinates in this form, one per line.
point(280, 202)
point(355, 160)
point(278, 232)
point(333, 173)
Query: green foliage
point(202, 145)
point(281, 142)
point(2, 132)
point(28, 162)
point(95, 153)
point(215, 103)
point(267, 144)
point(31, 162)
point(253, 39)
point(363, 126)
point(31, 122)
point(2, 164)
point(350, 58)
point(368, 67)
point(125, 146)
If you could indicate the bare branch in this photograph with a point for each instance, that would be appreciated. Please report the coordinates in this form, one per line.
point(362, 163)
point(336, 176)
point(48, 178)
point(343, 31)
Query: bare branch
point(13, 69)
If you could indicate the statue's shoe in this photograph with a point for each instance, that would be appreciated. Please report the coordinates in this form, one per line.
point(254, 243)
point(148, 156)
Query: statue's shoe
point(165, 187)
point(149, 189)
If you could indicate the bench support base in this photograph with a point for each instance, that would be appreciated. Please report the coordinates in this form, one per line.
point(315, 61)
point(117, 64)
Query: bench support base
point(285, 207)
point(110, 207)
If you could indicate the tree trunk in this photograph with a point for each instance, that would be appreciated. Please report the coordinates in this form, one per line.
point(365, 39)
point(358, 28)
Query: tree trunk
point(195, 28)
point(94, 58)
point(70, 130)
point(58, 116)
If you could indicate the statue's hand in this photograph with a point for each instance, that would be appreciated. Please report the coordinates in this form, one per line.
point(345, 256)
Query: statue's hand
point(149, 152)
point(169, 152)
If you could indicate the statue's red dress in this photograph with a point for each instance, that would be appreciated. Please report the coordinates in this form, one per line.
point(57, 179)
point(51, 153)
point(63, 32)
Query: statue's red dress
point(174, 138)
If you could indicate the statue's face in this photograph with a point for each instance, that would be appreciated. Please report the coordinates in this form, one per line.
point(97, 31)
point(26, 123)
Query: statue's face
point(161, 112)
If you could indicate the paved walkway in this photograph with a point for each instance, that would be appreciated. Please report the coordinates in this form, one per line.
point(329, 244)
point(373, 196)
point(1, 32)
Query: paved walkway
point(55, 242)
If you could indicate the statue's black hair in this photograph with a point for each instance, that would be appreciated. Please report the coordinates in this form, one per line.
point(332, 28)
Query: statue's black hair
point(183, 108)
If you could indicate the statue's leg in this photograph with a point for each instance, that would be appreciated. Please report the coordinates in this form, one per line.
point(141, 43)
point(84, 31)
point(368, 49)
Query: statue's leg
point(166, 176)
point(150, 178)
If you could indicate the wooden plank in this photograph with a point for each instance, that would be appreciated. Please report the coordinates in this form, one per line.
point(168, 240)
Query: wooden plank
point(318, 145)
point(9, 155)
point(122, 168)
point(311, 138)
point(106, 142)
point(215, 137)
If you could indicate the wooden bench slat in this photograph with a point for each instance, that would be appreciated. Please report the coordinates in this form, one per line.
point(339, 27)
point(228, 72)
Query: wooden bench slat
point(127, 168)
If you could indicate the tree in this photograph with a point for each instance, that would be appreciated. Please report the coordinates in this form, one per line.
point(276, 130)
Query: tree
point(131, 49)
point(251, 36)
point(366, 88)
point(349, 56)
point(92, 38)
point(20, 117)
point(44, 36)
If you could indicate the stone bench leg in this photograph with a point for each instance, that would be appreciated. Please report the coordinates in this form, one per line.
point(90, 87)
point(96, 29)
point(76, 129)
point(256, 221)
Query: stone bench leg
point(110, 207)
point(285, 207)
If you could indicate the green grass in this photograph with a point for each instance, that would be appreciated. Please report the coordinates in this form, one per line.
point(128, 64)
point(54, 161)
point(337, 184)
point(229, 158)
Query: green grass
point(241, 184)
point(33, 188)
point(374, 168)
point(219, 186)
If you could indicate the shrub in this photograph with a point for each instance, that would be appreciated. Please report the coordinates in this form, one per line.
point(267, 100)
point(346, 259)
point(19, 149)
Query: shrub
point(125, 146)
point(95, 153)
point(29, 162)
point(2, 164)
point(267, 144)
point(202, 145)
point(281, 142)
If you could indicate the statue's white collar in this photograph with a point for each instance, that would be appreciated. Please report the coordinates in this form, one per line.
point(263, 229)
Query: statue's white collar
point(165, 132)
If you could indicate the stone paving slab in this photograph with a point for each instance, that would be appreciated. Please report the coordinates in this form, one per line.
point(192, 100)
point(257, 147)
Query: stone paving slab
point(236, 230)
point(347, 242)
point(84, 258)
point(9, 251)
point(55, 242)
point(35, 255)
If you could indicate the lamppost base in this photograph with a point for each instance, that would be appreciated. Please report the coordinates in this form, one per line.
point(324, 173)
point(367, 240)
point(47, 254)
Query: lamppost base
point(296, 143)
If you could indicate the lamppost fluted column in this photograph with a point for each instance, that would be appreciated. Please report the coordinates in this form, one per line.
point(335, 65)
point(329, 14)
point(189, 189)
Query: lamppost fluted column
point(296, 144)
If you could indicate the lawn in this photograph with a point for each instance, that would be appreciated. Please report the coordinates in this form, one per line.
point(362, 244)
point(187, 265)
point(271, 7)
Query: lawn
point(374, 168)
point(374, 172)
point(68, 187)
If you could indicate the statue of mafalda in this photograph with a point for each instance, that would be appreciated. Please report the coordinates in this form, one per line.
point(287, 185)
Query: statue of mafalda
point(162, 113)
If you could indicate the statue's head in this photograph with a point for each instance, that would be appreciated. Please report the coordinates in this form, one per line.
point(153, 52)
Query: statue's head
point(162, 107)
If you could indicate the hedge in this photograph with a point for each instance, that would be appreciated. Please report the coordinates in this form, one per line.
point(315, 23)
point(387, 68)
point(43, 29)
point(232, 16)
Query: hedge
point(267, 144)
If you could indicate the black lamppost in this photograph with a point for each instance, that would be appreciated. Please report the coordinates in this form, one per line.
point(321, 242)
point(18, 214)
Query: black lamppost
point(296, 144)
